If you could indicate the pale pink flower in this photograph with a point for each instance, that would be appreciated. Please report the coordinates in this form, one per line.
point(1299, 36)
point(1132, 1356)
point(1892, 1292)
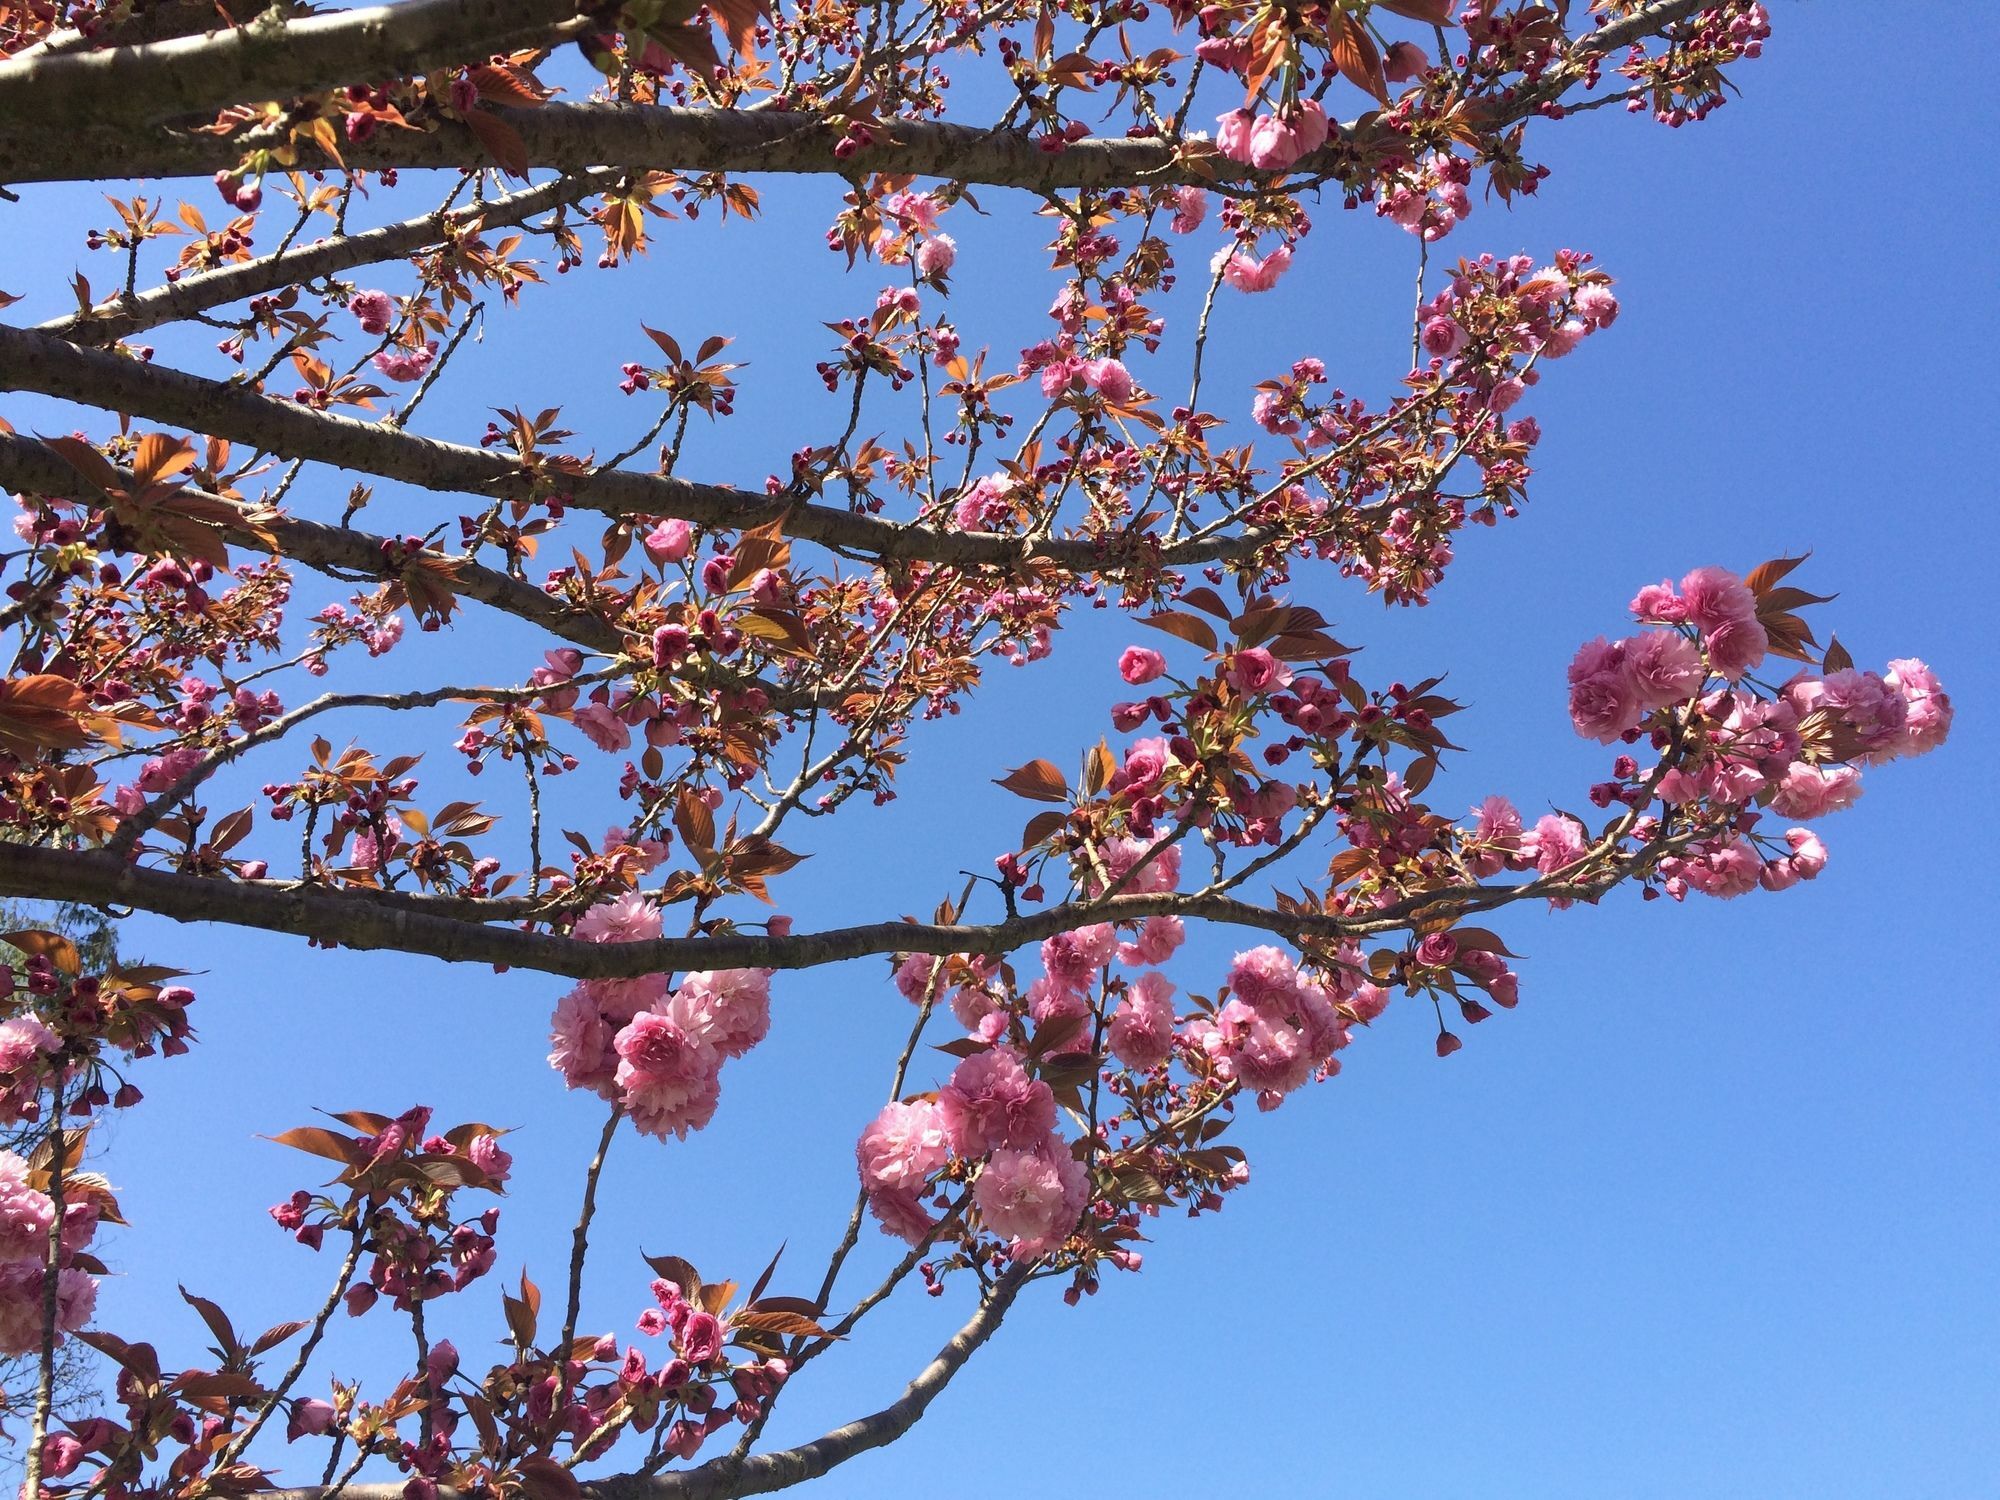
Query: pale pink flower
point(901, 1214)
point(670, 541)
point(581, 1043)
point(729, 1009)
point(1161, 873)
point(1072, 959)
point(1141, 1033)
point(1597, 305)
point(1233, 134)
point(1266, 979)
point(937, 255)
point(602, 727)
point(1032, 1197)
point(1807, 791)
point(1729, 870)
point(1557, 841)
point(1158, 939)
point(1928, 712)
point(902, 1146)
point(630, 918)
point(22, 1039)
point(1190, 208)
point(1247, 273)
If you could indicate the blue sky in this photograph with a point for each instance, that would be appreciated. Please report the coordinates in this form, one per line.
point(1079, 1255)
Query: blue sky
point(1711, 1214)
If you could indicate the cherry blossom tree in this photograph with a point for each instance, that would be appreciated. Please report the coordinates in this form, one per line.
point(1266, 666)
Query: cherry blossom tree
point(718, 670)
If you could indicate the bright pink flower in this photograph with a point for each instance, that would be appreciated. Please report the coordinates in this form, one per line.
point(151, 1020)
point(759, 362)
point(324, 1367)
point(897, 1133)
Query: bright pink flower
point(1255, 669)
point(1442, 337)
point(1714, 597)
point(661, 1053)
point(1309, 120)
point(1141, 664)
point(374, 311)
point(485, 1153)
point(670, 541)
point(1735, 646)
point(1664, 666)
point(902, 1146)
point(1603, 698)
point(1145, 763)
point(1109, 378)
point(1274, 145)
point(405, 364)
point(991, 1102)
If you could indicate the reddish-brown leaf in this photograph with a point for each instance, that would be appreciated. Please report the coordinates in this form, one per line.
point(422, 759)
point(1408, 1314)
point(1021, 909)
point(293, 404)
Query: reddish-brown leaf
point(1038, 781)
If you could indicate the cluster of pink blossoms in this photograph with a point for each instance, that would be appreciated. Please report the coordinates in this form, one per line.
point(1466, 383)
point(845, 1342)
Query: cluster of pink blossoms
point(690, 1380)
point(659, 1054)
point(1798, 752)
point(1275, 1031)
point(27, 1214)
point(1272, 143)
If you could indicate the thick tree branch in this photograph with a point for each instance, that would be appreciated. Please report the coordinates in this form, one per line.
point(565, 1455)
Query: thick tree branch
point(574, 137)
point(270, 59)
point(31, 361)
point(454, 928)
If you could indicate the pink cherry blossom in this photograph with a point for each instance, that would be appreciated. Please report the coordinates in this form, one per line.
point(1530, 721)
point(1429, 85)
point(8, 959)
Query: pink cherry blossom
point(991, 1102)
point(902, 1146)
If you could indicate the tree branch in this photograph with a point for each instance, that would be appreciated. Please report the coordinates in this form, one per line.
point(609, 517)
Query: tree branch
point(32, 361)
point(270, 59)
point(729, 1477)
point(117, 320)
point(574, 137)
